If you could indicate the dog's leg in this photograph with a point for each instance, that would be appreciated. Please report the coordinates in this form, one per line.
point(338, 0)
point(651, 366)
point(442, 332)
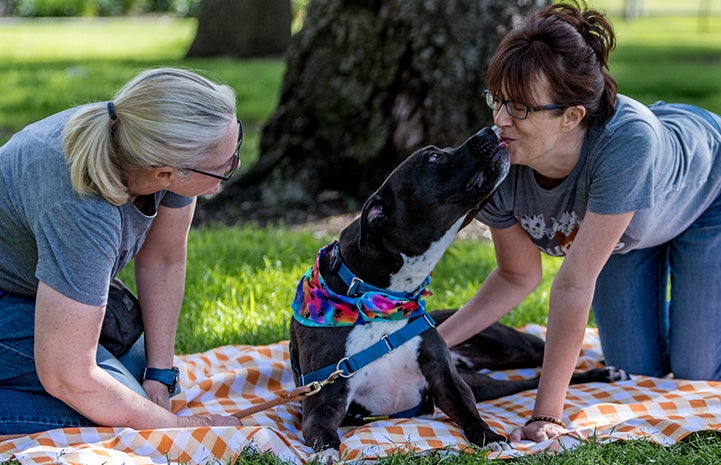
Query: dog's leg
point(486, 388)
point(322, 416)
point(452, 395)
point(323, 412)
point(600, 375)
point(498, 347)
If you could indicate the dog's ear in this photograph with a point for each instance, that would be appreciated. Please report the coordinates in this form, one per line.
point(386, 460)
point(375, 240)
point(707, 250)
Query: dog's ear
point(374, 216)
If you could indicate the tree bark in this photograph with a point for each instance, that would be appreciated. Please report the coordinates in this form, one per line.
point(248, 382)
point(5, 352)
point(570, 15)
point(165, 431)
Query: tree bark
point(367, 82)
point(242, 28)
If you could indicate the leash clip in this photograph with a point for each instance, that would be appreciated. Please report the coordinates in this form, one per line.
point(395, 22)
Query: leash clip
point(316, 386)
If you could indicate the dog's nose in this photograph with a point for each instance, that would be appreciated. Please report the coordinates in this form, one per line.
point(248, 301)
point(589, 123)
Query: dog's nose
point(486, 133)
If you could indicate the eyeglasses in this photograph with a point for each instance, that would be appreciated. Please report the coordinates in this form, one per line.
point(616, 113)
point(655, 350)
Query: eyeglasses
point(234, 161)
point(515, 109)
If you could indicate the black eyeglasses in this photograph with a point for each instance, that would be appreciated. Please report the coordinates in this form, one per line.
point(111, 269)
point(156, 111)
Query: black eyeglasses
point(515, 109)
point(234, 161)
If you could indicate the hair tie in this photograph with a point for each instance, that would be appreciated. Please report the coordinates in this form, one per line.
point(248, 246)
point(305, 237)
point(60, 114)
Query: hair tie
point(111, 111)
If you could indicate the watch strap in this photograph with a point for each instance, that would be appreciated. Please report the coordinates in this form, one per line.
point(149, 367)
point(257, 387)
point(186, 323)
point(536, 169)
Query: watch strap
point(167, 376)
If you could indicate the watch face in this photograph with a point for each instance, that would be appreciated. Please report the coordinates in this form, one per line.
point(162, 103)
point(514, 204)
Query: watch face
point(169, 377)
point(175, 388)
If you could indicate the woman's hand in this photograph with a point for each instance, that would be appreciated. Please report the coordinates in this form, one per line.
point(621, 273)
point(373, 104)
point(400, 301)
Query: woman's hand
point(157, 393)
point(208, 420)
point(538, 431)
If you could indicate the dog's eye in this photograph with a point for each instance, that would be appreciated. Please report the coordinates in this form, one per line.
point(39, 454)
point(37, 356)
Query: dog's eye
point(435, 157)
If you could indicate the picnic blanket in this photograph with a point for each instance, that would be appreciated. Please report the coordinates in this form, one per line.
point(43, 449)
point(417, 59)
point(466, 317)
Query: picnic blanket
point(232, 378)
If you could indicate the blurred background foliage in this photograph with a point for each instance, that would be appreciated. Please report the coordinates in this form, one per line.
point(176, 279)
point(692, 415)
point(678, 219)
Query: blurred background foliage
point(101, 8)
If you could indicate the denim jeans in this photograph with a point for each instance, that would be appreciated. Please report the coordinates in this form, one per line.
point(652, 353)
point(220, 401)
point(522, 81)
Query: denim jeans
point(647, 328)
point(25, 407)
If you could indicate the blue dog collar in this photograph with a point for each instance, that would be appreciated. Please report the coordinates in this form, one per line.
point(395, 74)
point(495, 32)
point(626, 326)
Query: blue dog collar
point(315, 304)
point(356, 286)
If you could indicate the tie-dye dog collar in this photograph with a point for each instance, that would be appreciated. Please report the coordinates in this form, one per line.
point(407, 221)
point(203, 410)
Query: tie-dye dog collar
point(316, 305)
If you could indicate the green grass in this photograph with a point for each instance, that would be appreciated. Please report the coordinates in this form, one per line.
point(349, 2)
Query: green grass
point(669, 59)
point(246, 280)
point(240, 280)
point(50, 65)
point(703, 448)
point(82, 39)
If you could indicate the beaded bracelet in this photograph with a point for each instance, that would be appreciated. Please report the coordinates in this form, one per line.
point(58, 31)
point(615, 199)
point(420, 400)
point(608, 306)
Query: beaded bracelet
point(536, 418)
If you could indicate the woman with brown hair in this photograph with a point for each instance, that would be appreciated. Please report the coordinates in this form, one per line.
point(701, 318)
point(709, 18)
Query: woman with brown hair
point(627, 193)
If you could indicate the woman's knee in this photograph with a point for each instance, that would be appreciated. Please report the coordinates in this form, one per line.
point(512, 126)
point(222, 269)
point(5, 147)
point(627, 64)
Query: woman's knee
point(23, 412)
point(126, 370)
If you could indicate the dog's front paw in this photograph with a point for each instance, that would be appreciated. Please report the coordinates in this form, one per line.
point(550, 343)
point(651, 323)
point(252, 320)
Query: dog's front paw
point(325, 457)
point(499, 446)
point(612, 374)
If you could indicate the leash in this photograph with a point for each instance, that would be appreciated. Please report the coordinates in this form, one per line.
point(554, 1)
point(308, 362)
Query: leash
point(289, 396)
point(348, 366)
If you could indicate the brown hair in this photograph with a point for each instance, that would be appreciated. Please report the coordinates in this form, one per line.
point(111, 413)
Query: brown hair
point(566, 44)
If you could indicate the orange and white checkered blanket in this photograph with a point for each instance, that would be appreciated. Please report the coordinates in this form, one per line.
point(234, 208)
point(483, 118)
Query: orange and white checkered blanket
point(232, 378)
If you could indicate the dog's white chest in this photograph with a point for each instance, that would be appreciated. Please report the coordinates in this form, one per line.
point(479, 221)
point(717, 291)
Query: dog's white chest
point(392, 383)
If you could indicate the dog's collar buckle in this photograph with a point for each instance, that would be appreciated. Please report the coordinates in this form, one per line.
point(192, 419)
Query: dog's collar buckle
point(335, 260)
point(354, 286)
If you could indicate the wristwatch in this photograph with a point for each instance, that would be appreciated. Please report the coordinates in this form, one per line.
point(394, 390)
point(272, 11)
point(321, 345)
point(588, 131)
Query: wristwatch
point(169, 377)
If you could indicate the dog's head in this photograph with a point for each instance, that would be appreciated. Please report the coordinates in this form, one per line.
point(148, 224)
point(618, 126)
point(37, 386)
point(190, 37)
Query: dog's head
point(427, 194)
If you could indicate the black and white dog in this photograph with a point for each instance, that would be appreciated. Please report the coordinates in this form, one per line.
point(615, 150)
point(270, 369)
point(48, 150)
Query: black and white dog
point(359, 317)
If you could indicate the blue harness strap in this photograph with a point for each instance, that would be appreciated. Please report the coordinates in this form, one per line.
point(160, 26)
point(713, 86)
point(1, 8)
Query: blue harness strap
point(386, 345)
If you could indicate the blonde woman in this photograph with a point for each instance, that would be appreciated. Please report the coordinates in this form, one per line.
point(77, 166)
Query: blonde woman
point(82, 193)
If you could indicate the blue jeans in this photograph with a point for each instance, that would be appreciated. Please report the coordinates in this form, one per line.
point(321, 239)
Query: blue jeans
point(25, 407)
point(647, 328)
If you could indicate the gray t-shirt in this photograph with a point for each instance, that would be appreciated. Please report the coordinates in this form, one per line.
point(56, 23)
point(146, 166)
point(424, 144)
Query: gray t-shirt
point(75, 244)
point(662, 161)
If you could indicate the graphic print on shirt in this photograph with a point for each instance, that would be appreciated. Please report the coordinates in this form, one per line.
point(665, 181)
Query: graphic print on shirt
point(554, 238)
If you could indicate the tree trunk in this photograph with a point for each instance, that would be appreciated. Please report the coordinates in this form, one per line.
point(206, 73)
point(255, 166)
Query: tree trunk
point(242, 28)
point(367, 82)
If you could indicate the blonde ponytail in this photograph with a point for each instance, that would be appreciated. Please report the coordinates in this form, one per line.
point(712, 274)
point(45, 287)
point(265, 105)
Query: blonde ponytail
point(88, 146)
point(163, 117)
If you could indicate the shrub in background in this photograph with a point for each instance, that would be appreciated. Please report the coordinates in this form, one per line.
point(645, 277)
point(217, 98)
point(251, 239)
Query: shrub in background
point(59, 8)
point(50, 7)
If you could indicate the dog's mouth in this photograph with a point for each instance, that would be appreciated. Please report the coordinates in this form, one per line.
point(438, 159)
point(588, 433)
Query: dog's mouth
point(488, 163)
point(494, 168)
point(494, 161)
